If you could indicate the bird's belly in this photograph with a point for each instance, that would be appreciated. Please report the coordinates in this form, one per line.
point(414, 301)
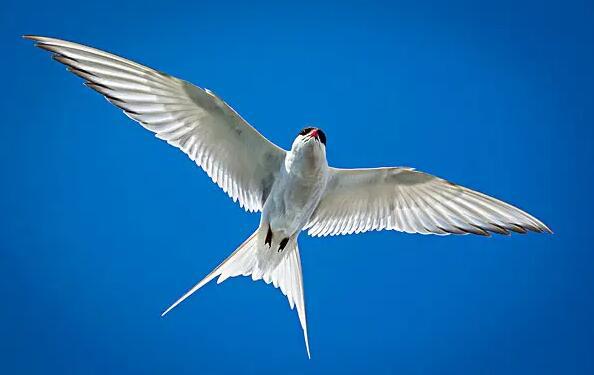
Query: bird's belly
point(290, 206)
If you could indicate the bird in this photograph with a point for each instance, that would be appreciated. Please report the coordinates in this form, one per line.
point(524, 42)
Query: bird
point(294, 190)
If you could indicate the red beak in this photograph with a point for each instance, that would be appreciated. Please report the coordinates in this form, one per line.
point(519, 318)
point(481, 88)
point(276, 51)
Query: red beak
point(314, 133)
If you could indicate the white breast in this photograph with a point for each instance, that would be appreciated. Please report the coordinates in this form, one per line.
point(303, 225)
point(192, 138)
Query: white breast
point(298, 190)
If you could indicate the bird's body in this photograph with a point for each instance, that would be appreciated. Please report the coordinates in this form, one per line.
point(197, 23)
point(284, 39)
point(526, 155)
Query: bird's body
point(295, 190)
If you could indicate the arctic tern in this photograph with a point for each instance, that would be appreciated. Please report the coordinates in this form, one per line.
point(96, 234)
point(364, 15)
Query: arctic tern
point(294, 190)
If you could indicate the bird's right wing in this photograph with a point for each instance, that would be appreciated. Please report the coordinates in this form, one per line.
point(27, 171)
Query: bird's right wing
point(402, 199)
point(238, 158)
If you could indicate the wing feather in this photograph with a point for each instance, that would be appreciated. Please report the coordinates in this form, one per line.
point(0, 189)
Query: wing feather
point(402, 199)
point(233, 154)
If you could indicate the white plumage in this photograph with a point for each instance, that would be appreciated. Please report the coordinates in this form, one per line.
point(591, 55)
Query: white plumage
point(295, 190)
point(211, 133)
point(402, 199)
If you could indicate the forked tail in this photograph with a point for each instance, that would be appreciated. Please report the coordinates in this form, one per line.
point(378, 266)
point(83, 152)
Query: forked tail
point(253, 257)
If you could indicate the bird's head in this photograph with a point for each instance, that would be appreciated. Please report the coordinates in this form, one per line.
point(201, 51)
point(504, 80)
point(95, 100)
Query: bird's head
point(309, 147)
point(310, 137)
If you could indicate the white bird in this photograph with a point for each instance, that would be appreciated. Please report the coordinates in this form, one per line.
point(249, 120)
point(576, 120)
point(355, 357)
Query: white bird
point(295, 190)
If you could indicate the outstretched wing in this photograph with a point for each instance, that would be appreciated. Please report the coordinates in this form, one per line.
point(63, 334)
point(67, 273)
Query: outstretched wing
point(238, 158)
point(402, 199)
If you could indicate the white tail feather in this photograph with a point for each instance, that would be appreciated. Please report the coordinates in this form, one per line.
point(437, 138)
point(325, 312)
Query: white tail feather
point(253, 257)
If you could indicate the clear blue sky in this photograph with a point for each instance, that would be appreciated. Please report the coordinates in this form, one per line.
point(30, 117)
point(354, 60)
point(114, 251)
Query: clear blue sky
point(102, 226)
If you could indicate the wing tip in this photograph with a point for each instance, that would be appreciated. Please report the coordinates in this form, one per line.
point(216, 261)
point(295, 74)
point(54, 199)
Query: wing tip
point(545, 228)
point(37, 38)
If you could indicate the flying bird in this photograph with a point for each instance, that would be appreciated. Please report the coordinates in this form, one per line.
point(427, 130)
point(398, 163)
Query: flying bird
point(295, 190)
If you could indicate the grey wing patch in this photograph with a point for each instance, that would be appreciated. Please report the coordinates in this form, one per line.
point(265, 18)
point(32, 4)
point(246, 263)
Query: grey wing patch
point(271, 162)
point(267, 187)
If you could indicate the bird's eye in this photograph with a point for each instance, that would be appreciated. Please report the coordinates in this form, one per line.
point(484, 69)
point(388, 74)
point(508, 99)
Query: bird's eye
point(305, 131)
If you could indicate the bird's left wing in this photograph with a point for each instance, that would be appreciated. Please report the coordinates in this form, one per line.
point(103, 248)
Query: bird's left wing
point(238, 158)
point(402, 199)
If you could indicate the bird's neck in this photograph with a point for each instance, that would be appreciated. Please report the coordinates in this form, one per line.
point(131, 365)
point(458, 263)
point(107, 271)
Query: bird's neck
point(306, 162)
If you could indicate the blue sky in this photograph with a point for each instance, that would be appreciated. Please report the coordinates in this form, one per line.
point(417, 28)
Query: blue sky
point(103, 226)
